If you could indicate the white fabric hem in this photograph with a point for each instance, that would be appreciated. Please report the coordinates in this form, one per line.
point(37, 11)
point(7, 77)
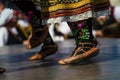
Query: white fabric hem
point(73, 18)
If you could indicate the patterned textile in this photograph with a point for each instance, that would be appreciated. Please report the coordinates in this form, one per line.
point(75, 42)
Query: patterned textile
point(53, 11)
point(82, 30)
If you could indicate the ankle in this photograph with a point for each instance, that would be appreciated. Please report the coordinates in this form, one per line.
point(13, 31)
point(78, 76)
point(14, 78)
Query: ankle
point(87, 44)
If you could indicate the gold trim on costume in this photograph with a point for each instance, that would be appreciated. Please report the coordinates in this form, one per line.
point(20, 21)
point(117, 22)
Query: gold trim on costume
point(65, 6)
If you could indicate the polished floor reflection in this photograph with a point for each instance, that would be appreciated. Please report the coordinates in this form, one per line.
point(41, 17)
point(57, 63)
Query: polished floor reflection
point(105, 66)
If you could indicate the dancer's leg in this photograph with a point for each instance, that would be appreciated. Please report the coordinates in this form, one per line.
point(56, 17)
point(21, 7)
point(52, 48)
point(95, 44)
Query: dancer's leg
point(85, 42)
point(48, 48)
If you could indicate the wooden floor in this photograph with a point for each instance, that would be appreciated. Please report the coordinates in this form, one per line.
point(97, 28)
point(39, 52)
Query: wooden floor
point(105, 66)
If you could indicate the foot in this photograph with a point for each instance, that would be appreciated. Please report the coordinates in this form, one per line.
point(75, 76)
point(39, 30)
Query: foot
point(2, 70)
point(82, 53)
point(46, 50)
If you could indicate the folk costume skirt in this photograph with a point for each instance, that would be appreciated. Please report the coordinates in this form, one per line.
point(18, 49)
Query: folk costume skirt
point(57, 11)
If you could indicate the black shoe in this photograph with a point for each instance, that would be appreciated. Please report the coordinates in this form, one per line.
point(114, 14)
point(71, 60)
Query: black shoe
point(2, 70)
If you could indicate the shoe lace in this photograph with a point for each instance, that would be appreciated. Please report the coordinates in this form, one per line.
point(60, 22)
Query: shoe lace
point(83, 47)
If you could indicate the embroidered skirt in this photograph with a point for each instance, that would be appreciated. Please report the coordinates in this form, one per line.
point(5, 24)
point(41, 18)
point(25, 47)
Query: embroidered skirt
point(56, 11)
